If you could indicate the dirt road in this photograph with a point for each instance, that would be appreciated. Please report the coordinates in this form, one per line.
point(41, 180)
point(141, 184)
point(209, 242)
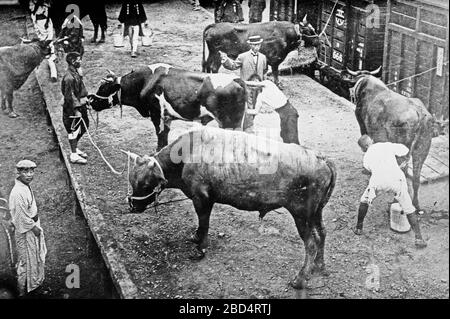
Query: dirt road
point(246, 258)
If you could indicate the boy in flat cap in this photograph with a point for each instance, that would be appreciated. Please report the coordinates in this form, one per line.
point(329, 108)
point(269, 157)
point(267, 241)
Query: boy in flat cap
point(28, 232)
point(74, 107)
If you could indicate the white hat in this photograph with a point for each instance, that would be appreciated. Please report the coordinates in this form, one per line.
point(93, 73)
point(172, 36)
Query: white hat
point(25, 164)
point(255, 39)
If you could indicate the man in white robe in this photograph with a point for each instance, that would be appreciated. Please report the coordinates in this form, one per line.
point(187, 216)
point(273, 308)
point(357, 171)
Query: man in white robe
point(28, 232)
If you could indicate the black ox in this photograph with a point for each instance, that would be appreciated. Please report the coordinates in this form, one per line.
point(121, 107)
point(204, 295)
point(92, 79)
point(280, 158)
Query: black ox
point(16, 64)
point(387, 116)
point(164, 93)
point(280, 38)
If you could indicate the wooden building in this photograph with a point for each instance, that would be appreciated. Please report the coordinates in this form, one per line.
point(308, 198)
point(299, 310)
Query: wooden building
point(417, 41)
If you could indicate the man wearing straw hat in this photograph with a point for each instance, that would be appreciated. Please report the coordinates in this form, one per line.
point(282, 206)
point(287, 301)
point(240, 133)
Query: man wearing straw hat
point(28, 232)
point(250, 63)
point(75, 117)
point(386, 176)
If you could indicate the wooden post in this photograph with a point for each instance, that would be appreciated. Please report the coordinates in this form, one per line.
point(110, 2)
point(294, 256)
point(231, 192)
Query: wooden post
point(385, 72)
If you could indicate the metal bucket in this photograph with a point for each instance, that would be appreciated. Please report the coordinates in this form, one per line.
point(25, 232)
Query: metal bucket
point(118, 40)
point(147, 41)
point(399, 221)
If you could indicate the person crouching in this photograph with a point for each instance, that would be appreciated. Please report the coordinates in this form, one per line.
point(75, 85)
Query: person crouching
point(75, 107)
point(386, 176)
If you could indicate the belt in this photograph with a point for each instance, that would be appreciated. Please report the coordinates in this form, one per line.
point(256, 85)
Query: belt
point(41, 17)
point(35, 218)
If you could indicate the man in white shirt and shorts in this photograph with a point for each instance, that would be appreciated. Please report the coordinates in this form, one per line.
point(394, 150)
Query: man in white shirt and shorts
point(386, 176)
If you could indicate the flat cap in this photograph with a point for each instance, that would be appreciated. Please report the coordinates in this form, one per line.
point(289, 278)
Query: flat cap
point(72, 56)
point(26, 164)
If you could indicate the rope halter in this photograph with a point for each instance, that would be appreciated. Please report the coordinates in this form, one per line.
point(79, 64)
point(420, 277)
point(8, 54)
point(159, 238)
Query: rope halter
point(156, 191)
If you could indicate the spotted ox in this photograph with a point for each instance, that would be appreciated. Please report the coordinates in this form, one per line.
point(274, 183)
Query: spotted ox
point(280, 38)
point(165, 93)
point(387, 116)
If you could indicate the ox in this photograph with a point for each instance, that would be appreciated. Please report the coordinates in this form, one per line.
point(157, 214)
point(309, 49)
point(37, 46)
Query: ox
point(8, 253)
point(247, 172)
point(16, 64)
point(387, 116)
point(164, 93)
point(280, 38)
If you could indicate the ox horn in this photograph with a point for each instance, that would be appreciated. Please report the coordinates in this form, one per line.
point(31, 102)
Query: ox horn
point(376, 71)
point(61, 40)
point(305, 20)
point(353, 73)
point(131, 155)
point(111, 72)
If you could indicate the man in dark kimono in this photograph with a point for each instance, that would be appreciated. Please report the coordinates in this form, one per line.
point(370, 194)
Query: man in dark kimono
point(132, 15)
point(74, 107)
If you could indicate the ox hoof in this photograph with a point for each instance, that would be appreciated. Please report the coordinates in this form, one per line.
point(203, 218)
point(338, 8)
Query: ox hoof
point(298, 283)
point(357, 231)
point(194, 238)
point(197, 254)
point(13, 115)
point(420, 243)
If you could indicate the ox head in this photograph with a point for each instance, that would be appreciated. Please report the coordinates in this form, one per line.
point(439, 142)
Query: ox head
point(106, 96)
point(307, 33)
point(350, 78)
point(44, 46)
point(147, 182)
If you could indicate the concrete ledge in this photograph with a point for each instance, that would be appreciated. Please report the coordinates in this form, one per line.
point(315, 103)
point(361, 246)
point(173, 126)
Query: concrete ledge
point(108, 246)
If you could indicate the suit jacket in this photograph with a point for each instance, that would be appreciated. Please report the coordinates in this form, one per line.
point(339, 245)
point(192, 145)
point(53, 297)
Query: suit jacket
point(246, 63)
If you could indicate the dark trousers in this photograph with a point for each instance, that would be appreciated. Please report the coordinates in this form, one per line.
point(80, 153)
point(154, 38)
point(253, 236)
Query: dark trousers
point(288, 123)
point(72, 124)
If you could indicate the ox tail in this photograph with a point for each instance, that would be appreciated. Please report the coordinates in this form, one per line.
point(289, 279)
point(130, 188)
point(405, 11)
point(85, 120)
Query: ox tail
point(330, 189)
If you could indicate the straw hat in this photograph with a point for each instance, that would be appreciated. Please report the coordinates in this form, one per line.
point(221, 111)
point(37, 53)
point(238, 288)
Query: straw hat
point(255, 39)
